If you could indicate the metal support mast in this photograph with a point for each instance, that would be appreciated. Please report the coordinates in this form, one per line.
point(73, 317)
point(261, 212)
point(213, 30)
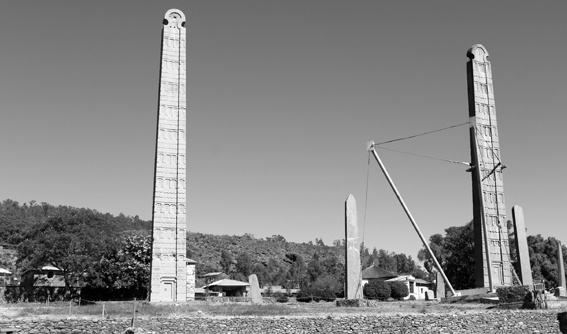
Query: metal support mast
point(370, 148)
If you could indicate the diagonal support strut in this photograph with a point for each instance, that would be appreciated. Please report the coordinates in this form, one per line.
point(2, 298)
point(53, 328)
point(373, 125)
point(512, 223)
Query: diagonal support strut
point(370, 148)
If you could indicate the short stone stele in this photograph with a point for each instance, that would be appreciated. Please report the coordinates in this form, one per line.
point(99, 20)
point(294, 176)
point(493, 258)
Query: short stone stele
point(440, 286)
point(254, 289)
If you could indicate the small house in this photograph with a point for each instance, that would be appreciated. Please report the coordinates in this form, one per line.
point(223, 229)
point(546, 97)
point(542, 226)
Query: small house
point(229, 288)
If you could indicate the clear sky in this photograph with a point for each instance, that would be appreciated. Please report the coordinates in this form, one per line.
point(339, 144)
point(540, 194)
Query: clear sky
point(282, 98)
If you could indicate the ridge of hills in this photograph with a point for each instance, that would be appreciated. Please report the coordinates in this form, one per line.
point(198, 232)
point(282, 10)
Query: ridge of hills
point(206, 249)
point(273, 257)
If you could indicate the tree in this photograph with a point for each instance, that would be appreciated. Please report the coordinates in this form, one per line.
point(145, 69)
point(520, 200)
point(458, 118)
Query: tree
point(365, 258)
point(226, 262)
point(244, 265)
point(319, 242)
point(314, 268)
point(123, 271)
point(543, 259)
point(387, 261)
point(326, 287)
point(295, 275)
point(73, 240)
point(455, 254)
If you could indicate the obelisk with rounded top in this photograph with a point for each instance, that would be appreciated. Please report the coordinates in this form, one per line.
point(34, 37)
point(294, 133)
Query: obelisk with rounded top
point(168, 266)
point(492, 250)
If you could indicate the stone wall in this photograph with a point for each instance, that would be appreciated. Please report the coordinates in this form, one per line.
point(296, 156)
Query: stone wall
point(482, 322)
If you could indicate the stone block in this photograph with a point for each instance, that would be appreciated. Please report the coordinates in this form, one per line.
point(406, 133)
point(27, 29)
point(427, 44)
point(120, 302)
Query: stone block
point(429, 295)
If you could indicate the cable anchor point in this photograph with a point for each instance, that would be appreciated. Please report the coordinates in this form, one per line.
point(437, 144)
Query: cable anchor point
point(370, 145)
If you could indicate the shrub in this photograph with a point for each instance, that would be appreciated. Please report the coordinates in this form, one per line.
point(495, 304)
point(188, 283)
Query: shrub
point(399, 290)
point(313, 293)
point(280, 297)
point(377, 290)
point(512, 294)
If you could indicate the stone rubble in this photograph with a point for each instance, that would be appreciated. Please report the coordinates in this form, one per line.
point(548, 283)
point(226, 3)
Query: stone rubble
point(509, 321)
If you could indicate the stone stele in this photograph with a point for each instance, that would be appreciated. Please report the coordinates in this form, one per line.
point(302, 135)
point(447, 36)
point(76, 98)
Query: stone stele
point(560, 267)
point(353, 274)
point(522, 245)
point(254, 289)
point(168, 266)
point(439, 286)
point(492, 254)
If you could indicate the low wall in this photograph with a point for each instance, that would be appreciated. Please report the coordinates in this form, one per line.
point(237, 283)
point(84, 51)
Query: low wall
point(482, 322)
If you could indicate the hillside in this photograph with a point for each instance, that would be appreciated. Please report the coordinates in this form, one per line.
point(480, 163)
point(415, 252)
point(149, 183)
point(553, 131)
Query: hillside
point(206, 249)
point(273, 259)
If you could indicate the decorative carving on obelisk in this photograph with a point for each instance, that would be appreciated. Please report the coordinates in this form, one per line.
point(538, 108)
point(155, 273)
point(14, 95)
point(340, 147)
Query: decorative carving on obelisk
point(492, 255)
point(353, 274)
point(522, 250)
point(168, 268)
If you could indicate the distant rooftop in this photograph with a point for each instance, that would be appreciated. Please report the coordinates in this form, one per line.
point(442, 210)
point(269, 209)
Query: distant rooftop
point(228, 282)
point(374, 272)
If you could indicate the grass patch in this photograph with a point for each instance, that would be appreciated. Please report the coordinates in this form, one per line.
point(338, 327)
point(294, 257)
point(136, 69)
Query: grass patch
point(201, 308)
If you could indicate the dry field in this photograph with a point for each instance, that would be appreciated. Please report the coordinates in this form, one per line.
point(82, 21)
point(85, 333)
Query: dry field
point(204, 309)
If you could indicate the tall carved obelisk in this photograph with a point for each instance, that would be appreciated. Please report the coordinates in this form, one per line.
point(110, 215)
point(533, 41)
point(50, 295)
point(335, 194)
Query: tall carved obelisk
point(168, 268)
point(492, 254)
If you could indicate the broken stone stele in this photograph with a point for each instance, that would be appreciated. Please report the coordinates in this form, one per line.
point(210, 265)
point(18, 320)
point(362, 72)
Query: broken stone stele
point(353, 274)
point(255, 293)
point(168, 265)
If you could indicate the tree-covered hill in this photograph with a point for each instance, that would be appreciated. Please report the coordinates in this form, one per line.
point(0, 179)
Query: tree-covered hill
point(17, 219)
point(207, 249)
point(93, 246)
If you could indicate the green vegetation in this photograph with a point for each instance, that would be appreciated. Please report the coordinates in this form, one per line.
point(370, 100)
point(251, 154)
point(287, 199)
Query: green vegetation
point(543, 259)
point(377, 289)
point(110, 255)
point(198, 309)
point(512, 294)
point(399, 290)
point(455, 253)
point(104, 253)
